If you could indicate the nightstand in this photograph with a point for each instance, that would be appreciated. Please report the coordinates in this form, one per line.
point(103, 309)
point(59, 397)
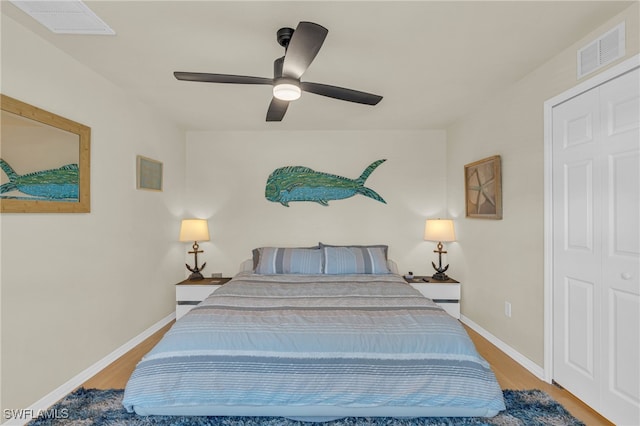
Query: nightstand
point(190, 293)
point(445, 293)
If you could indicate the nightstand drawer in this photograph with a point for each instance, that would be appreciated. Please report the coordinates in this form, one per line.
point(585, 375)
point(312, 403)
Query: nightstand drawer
point(445, 294)
point(194, 292)
point(182, 309)
point(190, 293)
point(439, 291)
point(452, 309)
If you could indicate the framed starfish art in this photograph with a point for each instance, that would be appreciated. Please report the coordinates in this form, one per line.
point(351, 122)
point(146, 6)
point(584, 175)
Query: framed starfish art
point(483, 188)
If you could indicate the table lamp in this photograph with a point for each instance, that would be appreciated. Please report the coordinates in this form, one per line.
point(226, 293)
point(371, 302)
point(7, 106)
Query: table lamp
point(440, 230)
point(194, 230)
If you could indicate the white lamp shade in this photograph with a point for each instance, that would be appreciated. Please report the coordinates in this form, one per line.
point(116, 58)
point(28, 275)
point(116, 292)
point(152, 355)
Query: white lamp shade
point(194, 230)
point(439, 230)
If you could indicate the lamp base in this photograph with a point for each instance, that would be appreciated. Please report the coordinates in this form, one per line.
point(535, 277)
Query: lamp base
point(195, 276)
point(440, 276)
point(440, 270)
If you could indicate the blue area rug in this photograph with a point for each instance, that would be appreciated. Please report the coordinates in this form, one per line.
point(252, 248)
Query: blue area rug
point(104, 407)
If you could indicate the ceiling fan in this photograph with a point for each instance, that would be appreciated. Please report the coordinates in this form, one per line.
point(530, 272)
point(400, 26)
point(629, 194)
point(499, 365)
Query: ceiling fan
point(301, 47)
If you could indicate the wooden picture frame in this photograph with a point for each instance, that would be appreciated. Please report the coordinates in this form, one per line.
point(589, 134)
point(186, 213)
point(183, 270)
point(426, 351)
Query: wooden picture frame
point(483, 188)
point(45, 161)
point(148, 174)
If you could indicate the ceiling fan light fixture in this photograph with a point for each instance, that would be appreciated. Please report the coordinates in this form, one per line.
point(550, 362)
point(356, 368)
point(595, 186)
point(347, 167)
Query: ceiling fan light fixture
point(287, 90)
point(301, 47)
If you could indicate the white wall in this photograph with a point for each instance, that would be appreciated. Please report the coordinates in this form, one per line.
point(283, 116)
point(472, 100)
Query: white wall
point(503, 260)
point(77, 286)
point(227, 173)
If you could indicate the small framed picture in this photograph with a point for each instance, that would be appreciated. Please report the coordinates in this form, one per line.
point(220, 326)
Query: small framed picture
point(483, 188)
point(148, 174)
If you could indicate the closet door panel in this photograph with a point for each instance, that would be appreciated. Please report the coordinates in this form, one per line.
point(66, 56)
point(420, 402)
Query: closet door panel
point(577, 244)
point(620, 146)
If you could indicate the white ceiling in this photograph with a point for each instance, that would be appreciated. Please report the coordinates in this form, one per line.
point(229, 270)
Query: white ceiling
point(433, 61)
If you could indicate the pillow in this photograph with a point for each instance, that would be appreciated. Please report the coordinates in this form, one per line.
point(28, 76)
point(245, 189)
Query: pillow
point(247, 266)
point(355, 259)
point(393, 266)
point(384, 247)
point(278, 260)
point(256, 254)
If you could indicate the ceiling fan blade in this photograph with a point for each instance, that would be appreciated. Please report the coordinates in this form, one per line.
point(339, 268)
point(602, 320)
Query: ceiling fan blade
point(303, 47)
point(221, 78)
point(341, 93)
point(277, 68)
point(276, 110)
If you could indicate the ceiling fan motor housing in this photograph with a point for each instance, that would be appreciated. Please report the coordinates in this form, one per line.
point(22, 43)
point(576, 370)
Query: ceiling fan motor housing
point(284, 35)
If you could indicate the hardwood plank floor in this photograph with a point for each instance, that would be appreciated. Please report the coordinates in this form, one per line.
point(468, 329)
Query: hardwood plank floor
point(512, 375)
point(116, 374)
point(509, 373)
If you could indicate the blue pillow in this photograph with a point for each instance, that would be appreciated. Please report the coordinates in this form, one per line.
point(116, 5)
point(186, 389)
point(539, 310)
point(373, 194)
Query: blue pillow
point(279, 260)
point(355, 259)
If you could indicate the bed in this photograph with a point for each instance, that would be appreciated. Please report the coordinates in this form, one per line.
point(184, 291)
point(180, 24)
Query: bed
point(315, 344)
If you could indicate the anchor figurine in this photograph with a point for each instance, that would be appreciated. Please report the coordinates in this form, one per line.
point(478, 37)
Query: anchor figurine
point(440, 271)
point(196, 275)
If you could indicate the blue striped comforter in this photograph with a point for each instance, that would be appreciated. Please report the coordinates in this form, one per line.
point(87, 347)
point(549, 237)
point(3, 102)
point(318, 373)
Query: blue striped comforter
point(320, 344)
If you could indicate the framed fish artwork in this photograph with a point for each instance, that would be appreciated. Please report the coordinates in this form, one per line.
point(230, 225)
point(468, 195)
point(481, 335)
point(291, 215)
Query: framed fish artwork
point(45, 161)
point(300, 183)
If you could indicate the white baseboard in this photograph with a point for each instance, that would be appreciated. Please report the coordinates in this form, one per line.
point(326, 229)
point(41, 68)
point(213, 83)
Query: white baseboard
point(534, 368)
point(61, 391)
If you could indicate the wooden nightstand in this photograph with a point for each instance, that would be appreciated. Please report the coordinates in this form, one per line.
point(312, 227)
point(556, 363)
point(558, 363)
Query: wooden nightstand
point(445, 293)
point(190, 293)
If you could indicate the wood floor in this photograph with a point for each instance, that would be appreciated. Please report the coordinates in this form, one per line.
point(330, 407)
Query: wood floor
point(509, 373)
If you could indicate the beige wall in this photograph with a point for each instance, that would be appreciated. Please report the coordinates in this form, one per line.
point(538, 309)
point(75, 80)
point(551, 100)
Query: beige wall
point(503, 260)
point(77, 286)
point(227, 173)
point(74, 287)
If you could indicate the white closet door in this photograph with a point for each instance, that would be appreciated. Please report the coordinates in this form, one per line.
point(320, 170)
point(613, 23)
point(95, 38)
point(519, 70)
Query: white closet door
point(596, 195)
point(620, 113)
point(577, 246)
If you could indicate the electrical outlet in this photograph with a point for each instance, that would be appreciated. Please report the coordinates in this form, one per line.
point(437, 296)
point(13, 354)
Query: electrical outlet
point(507, 309)
point(216, 275)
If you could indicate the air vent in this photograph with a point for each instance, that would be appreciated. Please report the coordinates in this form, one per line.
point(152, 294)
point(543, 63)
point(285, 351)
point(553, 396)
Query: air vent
point(65, 17)
point(602, 51)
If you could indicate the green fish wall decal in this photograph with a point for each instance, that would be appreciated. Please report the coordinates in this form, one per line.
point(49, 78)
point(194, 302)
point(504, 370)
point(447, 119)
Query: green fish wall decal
point(299, 183)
